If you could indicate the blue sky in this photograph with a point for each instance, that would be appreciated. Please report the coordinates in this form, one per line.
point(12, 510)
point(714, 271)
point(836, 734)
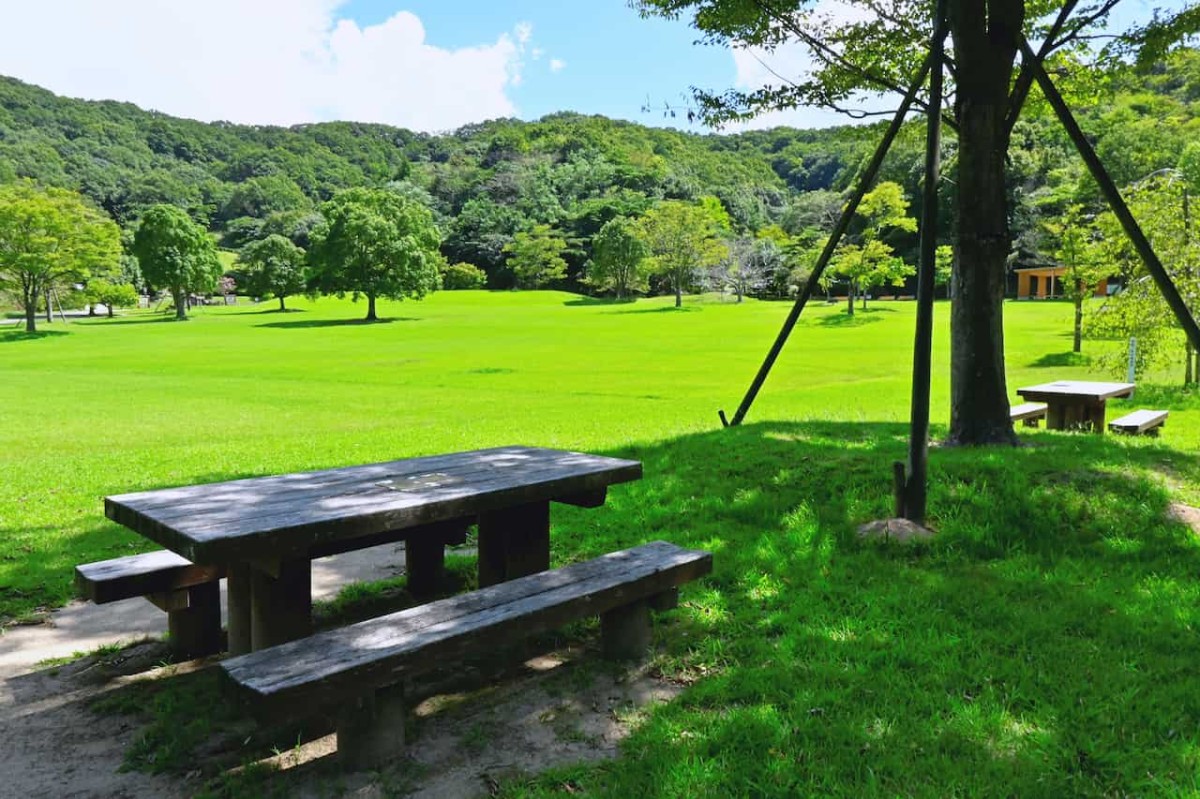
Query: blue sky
point(614, 59)
point(430, 65)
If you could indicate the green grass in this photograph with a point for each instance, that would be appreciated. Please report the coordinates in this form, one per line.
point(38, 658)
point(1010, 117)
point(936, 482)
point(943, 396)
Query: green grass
point(1045, 644)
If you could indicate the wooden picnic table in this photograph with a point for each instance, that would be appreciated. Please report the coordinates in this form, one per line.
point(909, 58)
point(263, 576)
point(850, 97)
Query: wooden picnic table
point(1076, 403)
point(265, 531)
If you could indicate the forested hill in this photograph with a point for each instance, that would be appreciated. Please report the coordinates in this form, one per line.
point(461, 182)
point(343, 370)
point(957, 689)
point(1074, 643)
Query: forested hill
point(575, 172)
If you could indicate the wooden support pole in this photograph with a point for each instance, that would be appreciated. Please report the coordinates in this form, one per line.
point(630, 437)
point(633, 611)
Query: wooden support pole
point(280, 603)
point(237, 584)
point(915, 485)
point(425, 564)
point(195, 631)
point(1111, 193)
point(513, 542)
point(865, 181)
point(370, 729)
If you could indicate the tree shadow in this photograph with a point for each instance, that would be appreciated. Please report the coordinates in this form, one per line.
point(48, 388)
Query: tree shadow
point(12, 335)
point(859, 319)
point(1062, 359)
point(1041, 641)
point(302, 324)
point(662, 309)
point(589, 301)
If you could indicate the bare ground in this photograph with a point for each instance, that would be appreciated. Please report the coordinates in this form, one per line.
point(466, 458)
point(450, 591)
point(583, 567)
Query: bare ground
point(518, 714)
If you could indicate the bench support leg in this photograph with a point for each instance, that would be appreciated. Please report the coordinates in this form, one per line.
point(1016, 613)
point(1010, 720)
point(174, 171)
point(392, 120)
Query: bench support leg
point(195, 631)
point(625, 631)
point(370, 729)
point(238, 594)
point(281, 607)
point(514, 542)
point(667, 600)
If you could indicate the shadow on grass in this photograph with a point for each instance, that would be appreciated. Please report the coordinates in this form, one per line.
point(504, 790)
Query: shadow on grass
point(591, 301)
point(9, 334)
point(1044, 641)
point(301, 324)
point(859, 318)
point(661, 309)
point(1062, 359)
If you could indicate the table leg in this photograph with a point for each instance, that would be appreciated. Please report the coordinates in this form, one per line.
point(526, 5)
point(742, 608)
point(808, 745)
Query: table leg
point(514, 542)
point(1055, 416)
point(237, 579)
point(1096, 415)
point(280, 603)
point(424, 563)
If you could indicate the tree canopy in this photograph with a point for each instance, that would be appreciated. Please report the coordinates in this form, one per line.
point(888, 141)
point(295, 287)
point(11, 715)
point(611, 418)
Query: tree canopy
point(176, 254)
point(375, 243)
point(50, 239)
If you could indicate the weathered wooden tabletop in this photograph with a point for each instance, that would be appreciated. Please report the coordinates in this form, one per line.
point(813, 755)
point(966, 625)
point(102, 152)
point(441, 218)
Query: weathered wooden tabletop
point(1069, 390)
point(275, 516)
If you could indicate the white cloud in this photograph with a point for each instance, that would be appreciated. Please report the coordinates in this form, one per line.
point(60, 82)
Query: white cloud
point(557, 65)
point(266, 61)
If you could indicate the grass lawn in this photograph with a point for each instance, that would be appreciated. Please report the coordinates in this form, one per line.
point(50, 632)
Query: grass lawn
point(1044, 645)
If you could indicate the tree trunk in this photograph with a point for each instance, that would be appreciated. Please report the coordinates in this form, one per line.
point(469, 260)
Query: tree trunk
point(1078, 323)
point(281, 307)
point(985, 41)
point(678, 294)
point(30, 316)
point(371, 317)
point(850, 299)
point(110, 310)
point(49, 308)
point(180, 303)
point(864, 300)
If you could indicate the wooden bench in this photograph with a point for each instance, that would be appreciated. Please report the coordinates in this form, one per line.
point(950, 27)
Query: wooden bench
point(1138, 422)
point(188, 593)
point(1029, 413)
point(357, 672)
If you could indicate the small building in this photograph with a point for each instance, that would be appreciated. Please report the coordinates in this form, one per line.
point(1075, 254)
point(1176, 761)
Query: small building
point(1045, 282)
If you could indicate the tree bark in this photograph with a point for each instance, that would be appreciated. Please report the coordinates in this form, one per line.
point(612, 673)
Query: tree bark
point(180, 303)
point(371, 317)
point(1078, 342)
point(678, 293)
point(49, 308)
point(281, 307)
point(110, 310)
point(850, 299)
point(30, 316)
point(985, 34)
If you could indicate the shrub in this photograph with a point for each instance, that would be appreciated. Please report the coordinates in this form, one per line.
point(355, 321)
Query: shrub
point(463, 276)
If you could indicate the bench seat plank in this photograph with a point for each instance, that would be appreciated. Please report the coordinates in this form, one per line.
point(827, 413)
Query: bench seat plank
point(1028, 410)
point(141, 575)
point(1139, 421)
point(304, 675)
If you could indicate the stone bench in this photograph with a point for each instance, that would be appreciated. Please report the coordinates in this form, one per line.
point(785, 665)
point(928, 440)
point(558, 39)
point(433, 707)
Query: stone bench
point(1139, 422)
point(356, 673)
point(1029, 412)
point(188, 593)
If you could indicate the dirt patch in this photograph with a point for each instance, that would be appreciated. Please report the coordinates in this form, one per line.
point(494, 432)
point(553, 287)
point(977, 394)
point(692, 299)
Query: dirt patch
point(467, 733)
point(1185, 514)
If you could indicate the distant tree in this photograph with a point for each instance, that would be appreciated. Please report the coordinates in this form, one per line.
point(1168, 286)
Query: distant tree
point(274, 268)
point(176, 254)
point(1083, 264)
point(463, 276)
point(943, 266)
point(682, 241)
point(751, 266)
point(375, 243)
point(618, 257)
point(872, 262)
point(51, 238)
point(112, 295)
point(261, 196)
point(297, 226)
point(535, 257)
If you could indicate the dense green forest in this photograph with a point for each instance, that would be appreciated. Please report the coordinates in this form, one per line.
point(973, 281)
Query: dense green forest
point(488, 182)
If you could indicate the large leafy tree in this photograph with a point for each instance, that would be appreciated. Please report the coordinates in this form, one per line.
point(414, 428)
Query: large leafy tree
point(618, 257)
point(51, 238)
point(872, 261)
point(682, 241)
point(176, 254)
point(375, 243)
point(274, 267)
point(875, 48)
point(1083, 262)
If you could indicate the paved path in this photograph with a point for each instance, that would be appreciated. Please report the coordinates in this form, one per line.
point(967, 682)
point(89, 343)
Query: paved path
point(82, 626)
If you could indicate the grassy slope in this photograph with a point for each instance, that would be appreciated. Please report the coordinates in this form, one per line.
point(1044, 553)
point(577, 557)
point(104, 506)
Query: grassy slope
point(1044, 645)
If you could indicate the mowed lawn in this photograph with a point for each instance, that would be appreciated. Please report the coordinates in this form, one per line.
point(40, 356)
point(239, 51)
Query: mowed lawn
point(1044, 645)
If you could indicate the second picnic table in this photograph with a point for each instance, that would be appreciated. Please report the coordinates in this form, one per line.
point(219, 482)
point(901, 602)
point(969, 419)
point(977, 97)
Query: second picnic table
point(266, 530)
point(1076, 403)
